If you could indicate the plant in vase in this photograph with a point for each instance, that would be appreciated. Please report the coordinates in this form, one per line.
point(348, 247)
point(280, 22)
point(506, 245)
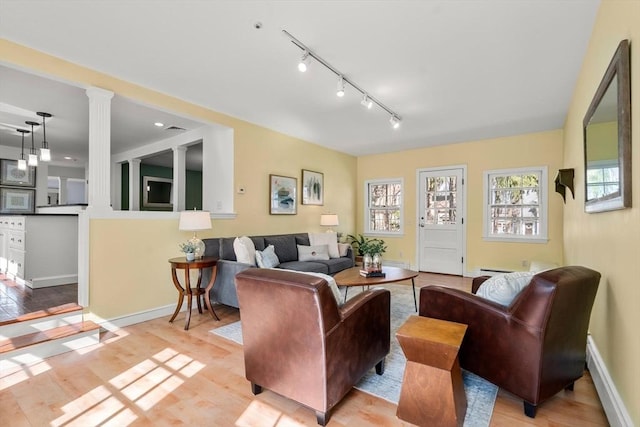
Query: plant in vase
point(370, 249)
point(189, 250)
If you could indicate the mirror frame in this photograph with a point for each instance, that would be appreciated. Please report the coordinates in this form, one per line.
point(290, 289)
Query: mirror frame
point(619, 69)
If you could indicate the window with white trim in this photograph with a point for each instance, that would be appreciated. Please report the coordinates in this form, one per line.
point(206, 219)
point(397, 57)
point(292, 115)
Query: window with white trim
point(383, 206)
point(515, 205)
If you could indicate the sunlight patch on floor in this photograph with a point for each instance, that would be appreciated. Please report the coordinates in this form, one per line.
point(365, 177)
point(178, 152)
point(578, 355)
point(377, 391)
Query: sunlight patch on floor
point(261, 414)
point(144, 385)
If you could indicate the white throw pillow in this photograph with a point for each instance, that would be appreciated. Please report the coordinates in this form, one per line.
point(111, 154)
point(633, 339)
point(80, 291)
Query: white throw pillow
point(343, 249)
point(267, 258)
point(330, 239)
point(245, 250)
point(503, 288)
point(313, 253)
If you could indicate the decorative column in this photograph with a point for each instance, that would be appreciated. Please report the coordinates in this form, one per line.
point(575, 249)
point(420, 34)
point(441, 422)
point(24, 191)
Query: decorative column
point(134, 185)
point(62, 191)
point(99, 170)
point(179, 178)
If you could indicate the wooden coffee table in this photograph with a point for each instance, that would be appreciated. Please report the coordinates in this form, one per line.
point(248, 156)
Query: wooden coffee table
point(352, 277)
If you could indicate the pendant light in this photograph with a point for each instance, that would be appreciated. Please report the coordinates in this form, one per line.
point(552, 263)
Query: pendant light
point(22, 163)
point(45, 153)
point(33, 157)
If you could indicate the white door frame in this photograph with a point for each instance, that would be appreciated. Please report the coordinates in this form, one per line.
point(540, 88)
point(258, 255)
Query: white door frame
point(462, 194)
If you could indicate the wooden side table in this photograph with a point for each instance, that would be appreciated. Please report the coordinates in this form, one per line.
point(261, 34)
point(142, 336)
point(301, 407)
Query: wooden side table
point(181, 263)
point(432, 389)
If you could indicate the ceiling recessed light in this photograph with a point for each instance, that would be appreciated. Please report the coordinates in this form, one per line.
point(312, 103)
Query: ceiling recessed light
point(159, 124)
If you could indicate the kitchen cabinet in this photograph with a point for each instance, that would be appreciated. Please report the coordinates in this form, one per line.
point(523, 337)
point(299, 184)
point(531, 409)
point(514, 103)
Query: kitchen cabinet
point(39, 250)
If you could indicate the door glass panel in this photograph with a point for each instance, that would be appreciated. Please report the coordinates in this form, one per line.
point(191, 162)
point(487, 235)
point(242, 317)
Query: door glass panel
point(440, 200)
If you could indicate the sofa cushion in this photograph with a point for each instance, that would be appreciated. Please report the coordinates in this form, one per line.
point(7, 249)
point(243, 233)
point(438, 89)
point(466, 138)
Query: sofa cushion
point(313, 253)
point(330, 239)
point(226, 248)
point(285, 246)
point(267, 258)
point(316, 266)
point(503, 288)
point(245, 250)
point(343, 249)
point(335, 265)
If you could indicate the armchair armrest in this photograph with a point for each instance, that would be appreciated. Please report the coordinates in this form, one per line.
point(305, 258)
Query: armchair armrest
point(477, 281)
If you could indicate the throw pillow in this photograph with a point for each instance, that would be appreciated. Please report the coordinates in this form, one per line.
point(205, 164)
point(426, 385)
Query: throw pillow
point(503, 288)
point(245, 250)
point(267, 258)
point(313, 253)
point(343, 249)
point(330, 239)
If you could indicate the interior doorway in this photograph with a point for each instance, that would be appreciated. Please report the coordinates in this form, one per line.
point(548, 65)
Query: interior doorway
point(441, 212)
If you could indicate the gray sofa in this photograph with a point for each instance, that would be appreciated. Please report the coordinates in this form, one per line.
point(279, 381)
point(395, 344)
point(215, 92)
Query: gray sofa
point(224, 288)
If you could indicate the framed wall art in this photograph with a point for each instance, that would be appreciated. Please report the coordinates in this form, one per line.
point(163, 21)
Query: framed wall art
point(17, 200)
point(312, 188)
point(11, 175)
point(282, 195)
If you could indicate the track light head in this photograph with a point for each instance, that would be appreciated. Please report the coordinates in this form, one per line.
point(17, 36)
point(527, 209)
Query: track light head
point(395, 121)
point(340, 91)
point(366, 102)
point(302, 65)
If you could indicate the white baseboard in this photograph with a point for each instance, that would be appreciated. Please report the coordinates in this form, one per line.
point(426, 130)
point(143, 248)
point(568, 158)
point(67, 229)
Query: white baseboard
point(399, 264)
point(45, 282)
point(116, 323)
point(614, 408)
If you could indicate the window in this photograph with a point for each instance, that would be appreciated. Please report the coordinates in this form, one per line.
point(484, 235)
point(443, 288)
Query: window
point(603, 178)
point(516, 205)
point(383, 213)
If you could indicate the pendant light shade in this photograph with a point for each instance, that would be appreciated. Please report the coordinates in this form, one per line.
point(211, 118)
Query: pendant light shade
point(45, 153)
point(22, 163)
point(33, 157)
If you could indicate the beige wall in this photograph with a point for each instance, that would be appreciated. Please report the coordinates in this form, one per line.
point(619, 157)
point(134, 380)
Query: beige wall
point(129, 272)
point(538, 149)
point(609, 242)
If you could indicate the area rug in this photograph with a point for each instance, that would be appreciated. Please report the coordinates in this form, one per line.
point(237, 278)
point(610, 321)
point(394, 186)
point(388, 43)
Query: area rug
point(481, 394)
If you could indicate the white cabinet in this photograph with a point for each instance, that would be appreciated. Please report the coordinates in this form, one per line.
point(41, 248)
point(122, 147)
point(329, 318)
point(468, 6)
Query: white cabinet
point(39, 250)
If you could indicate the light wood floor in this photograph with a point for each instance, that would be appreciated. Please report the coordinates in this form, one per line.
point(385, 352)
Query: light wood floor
point(155, 373)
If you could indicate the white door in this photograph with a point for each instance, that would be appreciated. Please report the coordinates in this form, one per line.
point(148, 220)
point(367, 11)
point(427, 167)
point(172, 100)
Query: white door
point(440, 221)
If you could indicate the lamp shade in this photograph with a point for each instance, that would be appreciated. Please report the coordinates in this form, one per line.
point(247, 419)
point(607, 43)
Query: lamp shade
point(194, 220)
point(329, 220)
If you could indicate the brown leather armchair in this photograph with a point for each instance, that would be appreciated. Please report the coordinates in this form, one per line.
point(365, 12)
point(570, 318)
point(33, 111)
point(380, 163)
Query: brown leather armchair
point(533, 348)
point(300, 344)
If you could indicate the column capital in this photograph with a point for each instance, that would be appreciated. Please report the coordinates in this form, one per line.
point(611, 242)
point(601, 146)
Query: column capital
point(96, 92)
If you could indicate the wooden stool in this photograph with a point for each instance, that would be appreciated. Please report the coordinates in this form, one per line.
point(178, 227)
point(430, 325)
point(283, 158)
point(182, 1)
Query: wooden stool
point(432, 389)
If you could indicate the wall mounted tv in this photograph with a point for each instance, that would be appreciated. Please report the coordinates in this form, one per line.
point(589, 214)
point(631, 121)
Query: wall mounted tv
point(157, 192)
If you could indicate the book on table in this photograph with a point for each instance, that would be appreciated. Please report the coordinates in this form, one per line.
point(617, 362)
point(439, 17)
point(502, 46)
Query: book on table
point(372, 273)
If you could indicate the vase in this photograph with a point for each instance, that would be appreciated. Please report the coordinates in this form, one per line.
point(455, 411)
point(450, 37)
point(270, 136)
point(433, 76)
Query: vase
point(376, 262)
point(190, 256)
point(367, 260)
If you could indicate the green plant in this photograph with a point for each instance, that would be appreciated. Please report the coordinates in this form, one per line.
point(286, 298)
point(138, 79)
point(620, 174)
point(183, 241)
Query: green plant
point(364, 245)
point(187, 247)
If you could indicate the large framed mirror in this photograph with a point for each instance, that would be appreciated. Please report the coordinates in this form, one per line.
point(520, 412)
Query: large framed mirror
point(607, 138)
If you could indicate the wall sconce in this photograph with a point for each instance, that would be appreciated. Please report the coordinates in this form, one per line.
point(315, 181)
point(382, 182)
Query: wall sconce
point(564, 180)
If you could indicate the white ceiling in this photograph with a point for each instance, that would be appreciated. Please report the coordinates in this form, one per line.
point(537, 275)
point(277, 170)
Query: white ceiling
point(454, 70)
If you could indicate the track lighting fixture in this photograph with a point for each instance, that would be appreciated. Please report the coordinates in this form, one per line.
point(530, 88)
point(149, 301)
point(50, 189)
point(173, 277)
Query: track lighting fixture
point(22, 163)
point(45, 153)
point(302, 66)
point(367, 100)
point(340, 91)
point(395, 122)
point(33, 157)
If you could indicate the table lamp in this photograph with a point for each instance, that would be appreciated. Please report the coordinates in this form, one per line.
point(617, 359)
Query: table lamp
point(329, 220)
point(193, 221)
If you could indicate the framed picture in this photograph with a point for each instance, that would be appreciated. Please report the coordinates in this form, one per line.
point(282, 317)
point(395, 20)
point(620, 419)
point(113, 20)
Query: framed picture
point(17, 200)
point(11, 175)
point(312, 188)
point(282, 195)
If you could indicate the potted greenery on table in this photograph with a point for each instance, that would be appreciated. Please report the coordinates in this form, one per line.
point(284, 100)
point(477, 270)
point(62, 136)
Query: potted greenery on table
point(369, 250)
point(189, 250)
